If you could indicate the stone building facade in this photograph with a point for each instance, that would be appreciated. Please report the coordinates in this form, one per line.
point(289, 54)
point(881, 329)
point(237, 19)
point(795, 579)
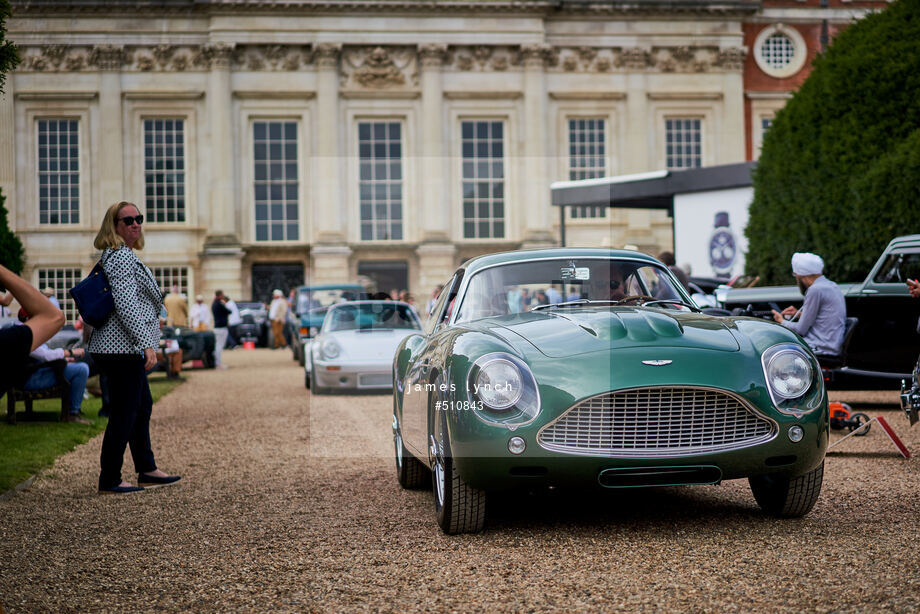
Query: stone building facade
point(274, 142)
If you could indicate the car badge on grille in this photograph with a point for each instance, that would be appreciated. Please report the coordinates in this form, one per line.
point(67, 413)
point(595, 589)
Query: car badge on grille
point(657, 363)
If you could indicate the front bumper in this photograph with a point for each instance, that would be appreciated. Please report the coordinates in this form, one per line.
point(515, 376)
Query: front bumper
point(357, 376)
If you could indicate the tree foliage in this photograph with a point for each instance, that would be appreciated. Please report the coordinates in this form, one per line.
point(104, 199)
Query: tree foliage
point(12, 255)
point(9, 57)
point(839, 173)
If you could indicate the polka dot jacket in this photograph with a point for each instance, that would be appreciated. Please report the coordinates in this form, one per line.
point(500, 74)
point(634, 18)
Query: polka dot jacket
point(134, 324)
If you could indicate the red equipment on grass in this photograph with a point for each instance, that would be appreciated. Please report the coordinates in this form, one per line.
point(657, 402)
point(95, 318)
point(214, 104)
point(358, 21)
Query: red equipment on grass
point(843, 417)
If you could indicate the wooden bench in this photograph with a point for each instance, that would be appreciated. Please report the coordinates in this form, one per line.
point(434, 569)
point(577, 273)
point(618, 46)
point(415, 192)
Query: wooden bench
point(59, 391)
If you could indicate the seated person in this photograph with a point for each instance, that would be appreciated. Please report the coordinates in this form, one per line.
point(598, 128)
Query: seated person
point(76, 373)
point(18, 341)
point(822, 319)
point(169, 355)
point(612, 289)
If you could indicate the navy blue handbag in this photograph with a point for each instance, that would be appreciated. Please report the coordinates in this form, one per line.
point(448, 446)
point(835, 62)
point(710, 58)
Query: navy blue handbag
point(93, 297)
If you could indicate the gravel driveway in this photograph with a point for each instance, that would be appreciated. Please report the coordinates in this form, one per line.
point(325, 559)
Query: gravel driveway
point(291, 504)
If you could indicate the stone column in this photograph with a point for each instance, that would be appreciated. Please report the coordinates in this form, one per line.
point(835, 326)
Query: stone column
point(433, 213)
point(222, 203)
point(330, 264)
point(221, 259)
point(329, 253)
point(437, 263)
point(534, 205)
point(639, 129)
point(8, 155)
point(110, 153)
point(733, 134)
point(328, 225)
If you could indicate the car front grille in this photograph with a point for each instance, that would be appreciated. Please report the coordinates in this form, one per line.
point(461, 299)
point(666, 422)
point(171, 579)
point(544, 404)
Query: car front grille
point(655, 422)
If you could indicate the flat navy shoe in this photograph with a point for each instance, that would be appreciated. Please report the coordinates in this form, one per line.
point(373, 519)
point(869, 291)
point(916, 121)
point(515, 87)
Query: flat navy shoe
point(151, 480)
point(120, 490)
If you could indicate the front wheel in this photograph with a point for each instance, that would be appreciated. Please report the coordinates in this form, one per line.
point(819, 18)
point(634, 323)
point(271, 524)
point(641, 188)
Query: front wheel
point(459, 507)
point(788, 497)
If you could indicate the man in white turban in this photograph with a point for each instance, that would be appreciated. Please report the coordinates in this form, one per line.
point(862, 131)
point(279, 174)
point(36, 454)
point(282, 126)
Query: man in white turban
point(822, 318)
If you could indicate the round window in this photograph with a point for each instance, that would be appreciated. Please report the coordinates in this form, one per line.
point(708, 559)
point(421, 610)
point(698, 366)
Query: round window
point(780, 51)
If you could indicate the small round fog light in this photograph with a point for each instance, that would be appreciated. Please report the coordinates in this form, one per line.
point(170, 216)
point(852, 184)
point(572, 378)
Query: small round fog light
point(517, 445)
point(796, 433)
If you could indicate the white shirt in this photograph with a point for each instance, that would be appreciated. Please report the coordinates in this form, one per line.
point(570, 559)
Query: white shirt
point(44, 353)
point(200, 313)
point(234, 318)
point(278, 309)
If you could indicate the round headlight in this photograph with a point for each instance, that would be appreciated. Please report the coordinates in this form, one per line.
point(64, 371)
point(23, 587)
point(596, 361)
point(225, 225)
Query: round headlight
point(789, 374)
point(331, 349)
point(499, 384)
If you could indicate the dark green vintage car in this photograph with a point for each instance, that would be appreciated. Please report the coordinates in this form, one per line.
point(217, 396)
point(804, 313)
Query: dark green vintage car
point(586, 367)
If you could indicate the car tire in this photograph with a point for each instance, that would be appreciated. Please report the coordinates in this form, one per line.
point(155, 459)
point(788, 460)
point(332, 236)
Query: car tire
point(410, 472)
point(788, 497)
point(306, 379)
point(459, 507)
point(207, 359)
point(302, 355)
point(295, 351)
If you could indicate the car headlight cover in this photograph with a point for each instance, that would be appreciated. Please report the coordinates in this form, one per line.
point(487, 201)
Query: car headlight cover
point(789, 374)
point(499, 384)
point(503, 390)
point(331, 349)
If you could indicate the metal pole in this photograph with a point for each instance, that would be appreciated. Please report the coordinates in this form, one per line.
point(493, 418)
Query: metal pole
point(562, 226)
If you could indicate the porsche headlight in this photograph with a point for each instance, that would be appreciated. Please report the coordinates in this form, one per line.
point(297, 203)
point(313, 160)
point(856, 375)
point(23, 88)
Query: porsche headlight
point(789, 372)
point(499, 384)
point(503, 390)
point(331, 349)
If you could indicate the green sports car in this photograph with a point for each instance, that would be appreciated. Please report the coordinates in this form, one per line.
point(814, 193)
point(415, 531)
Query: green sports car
point(587, 367)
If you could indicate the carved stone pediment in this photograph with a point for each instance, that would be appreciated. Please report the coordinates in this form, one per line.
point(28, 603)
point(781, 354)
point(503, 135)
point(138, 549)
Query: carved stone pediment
point(379, 68)
point(271, 57)
point(483, 58)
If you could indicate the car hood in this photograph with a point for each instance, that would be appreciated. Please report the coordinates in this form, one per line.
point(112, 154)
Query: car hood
point(369, 344)
point(559, 333)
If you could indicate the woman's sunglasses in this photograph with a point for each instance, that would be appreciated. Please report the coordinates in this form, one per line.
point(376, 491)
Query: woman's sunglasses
point(129, 221)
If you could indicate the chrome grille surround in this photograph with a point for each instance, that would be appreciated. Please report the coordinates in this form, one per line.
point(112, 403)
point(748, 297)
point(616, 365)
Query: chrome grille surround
point(661, 421)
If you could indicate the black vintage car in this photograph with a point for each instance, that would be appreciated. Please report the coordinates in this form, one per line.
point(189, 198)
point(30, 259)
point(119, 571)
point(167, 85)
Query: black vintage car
point(883, 346)
point(195, 345)
point(255, 326)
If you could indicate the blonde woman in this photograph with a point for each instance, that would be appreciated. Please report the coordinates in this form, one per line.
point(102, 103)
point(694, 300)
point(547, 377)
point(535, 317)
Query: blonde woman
point(124, 348)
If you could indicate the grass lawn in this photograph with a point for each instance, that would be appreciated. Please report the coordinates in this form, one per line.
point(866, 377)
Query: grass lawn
point(28, 447)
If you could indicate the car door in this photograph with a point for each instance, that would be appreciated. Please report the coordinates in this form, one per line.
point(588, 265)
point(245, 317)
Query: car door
point(886, 337)
point(418, 367)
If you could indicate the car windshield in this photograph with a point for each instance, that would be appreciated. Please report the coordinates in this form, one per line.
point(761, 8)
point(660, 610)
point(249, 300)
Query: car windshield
point(525, 286)
point(371, 316)
point(312, 299)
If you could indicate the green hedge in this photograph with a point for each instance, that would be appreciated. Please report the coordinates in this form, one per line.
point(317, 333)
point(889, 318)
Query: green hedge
point(839, 171)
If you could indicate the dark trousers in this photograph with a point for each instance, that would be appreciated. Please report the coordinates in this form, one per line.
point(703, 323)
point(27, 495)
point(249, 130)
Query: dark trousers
point(130, 405)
